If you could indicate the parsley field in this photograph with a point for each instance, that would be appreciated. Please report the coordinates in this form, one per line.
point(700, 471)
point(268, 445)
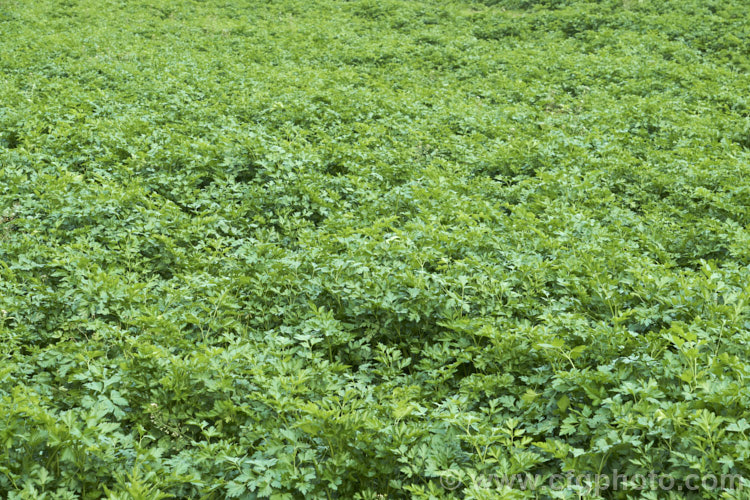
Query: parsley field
point(373, 249)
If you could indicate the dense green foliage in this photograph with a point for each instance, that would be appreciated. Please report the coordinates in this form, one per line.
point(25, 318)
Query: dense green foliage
point(349, 249)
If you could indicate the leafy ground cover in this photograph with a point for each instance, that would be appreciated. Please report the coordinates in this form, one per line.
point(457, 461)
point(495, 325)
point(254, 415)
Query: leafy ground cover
point(372, 249)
